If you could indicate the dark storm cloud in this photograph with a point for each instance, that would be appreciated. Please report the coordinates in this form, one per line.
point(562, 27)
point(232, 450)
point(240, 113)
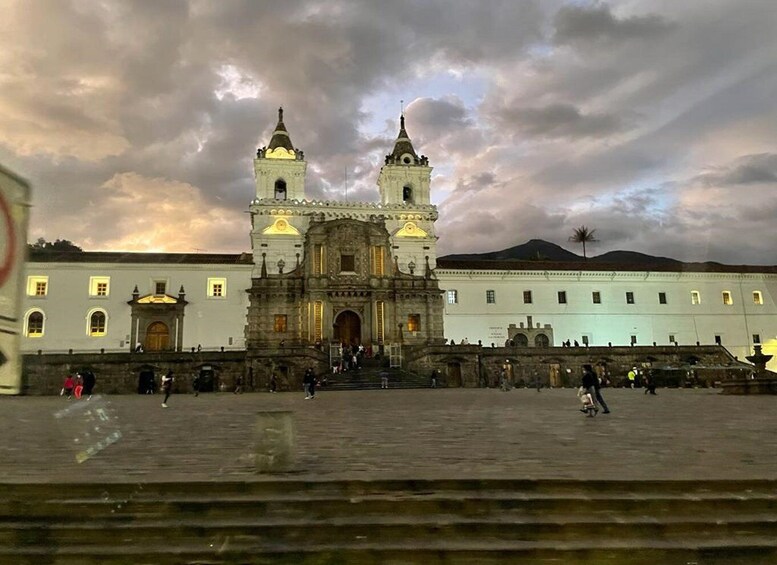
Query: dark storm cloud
point(597, 23)
point(650, 121)
point(560, 120)
point(748, 169)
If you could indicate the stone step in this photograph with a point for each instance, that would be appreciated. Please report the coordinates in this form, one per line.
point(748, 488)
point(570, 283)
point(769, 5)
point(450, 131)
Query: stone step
point(387, 521)
point(431, 552)
point(320, 507)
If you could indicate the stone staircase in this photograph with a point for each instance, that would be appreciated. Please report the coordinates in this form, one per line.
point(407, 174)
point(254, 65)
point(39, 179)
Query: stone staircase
point(391, 522)
point(369, 377)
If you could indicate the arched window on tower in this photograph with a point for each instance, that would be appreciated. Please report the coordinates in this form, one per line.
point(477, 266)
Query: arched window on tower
point(407, 194)
point(280, 189)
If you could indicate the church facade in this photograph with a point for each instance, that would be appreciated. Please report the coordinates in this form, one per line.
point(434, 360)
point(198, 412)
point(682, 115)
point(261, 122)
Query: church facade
point(325, 272)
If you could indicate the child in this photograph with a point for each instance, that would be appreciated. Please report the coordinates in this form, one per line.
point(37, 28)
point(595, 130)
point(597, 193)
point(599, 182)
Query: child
point(67, 388)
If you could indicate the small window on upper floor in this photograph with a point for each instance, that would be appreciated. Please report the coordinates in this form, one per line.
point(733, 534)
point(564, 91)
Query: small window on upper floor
point(756, 339)
point(662, 298)
point(490, 297)
point(629, 298)
point(758, 298)
point(718, 339)
point(347, 263)
point(33, 324)
point(280, 323)
point(727, 300)
point(562, 296)
point(414, 322)
point(160, 287)
point(695, 297)
point(217, 287)
point(37, 286)
point(596, 297)
point(527, 297)
point(453, 296)
point(99, 286)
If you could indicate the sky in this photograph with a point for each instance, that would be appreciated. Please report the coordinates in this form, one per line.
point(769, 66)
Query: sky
point(652, 122)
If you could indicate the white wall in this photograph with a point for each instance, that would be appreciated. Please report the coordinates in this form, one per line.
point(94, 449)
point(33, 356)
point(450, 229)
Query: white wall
point(614, 320)
point(208, 321)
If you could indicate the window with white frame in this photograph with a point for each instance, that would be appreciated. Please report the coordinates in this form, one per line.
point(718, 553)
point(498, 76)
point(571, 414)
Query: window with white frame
point(217, 287)
point(527, 297)
point(727, 300)
point(662, 298)
point(97, 323)
point(453, 296)
point(490, 297)
point(34, 323)
point(758, 298)
point(562, 296)
point(596, 297)
point(99, 286)
point(37, 286)
point(756, 338)
point(695, 297)
point(160, 286)
point(629, 297)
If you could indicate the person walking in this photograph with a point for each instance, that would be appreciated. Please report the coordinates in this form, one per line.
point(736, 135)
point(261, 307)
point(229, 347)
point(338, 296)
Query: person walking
point(598, 390)
point(632, 376)
point(383, 379)
point(309, 382)
point(67, 387)
point(89, 381)
point(650, 382)
point(238, 384)
point(589, 385)
point(434, 378)
point(167, 386)
point(196, 384)
point(273, 383)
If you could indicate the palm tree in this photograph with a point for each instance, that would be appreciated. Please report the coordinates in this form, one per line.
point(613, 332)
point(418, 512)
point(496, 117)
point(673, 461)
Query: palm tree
point(583, 235)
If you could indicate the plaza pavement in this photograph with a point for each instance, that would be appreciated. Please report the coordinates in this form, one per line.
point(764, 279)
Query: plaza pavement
point(387, 434)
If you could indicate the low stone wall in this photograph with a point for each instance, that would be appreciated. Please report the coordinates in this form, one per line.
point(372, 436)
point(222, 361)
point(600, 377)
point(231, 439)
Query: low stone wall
point(468, 366)
point(118, 373)
point(476, 366)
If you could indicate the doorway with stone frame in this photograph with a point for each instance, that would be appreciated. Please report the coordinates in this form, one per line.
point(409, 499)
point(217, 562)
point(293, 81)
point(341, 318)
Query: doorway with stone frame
point(347, 328)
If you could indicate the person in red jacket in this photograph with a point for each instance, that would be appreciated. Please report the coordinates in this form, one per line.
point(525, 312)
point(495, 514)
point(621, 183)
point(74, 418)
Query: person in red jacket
point(67, 388)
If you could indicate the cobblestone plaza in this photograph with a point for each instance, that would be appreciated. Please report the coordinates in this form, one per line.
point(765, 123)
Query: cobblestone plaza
point(482, 433)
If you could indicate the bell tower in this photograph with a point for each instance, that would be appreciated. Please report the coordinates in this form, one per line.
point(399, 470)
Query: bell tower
point(279, 168)
point(404, 177)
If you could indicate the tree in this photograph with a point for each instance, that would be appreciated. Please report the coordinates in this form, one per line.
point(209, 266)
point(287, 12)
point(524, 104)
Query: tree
point(58, 245)
point(583, 235)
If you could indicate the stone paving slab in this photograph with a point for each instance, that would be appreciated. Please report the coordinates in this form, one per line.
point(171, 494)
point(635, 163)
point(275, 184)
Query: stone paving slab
point(393, 434)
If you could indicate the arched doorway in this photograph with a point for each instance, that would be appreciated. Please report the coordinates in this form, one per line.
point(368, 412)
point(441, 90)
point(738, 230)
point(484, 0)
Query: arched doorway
point(348, 327)
point(541, 341)
point(157, 337)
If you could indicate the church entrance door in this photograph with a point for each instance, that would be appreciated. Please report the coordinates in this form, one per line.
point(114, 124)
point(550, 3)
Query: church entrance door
point(157, 337)
point(348, 327)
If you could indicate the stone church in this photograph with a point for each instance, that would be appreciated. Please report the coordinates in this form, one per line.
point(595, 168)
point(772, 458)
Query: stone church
point(338, 272)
